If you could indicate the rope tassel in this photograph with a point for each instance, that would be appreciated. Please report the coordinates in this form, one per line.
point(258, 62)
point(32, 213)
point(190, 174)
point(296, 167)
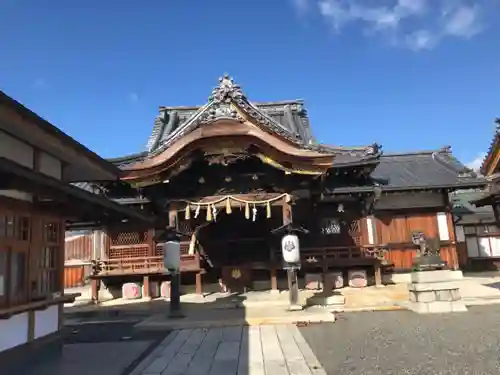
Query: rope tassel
point(247, 211)
point(192, 244)
point(228, 206)
point(187, 214)
point(209, 213)
point(268, 210)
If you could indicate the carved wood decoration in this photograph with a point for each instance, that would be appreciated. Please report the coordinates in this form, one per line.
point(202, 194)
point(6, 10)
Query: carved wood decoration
point(226, 125)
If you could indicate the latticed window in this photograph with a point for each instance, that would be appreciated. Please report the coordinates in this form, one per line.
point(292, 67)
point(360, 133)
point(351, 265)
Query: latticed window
point(354, 231)
point(128, 238)
point(13, 277)
point(15, 227)
point(51, 232)
point(47, 273)
point(15, 235)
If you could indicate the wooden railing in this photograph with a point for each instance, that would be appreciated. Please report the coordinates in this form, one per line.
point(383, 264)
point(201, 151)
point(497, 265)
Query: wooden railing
point(327, 257)
point(399, 256)
point(127, 266)
point(144, 265)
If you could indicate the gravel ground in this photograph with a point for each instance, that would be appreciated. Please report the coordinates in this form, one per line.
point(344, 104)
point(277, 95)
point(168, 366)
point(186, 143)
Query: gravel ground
point(402, 342)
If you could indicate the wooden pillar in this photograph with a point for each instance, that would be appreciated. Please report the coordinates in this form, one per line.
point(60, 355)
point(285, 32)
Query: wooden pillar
point(452, 234)
point(94, 290)
point(175, 281)
point(287, 212)
point(146, 287)
point(274, 279)
point(151, 243)
point(151, 252)
point(378, 273)
point(199, 285)
point(61, 256)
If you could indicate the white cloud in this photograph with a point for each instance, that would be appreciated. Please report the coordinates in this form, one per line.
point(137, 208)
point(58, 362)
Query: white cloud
point(417, 24)
point(463, 22)
point(476, 163)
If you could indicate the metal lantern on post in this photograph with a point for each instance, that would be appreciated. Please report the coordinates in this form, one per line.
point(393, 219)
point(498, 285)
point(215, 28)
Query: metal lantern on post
point(172, 261)
point(290, 247)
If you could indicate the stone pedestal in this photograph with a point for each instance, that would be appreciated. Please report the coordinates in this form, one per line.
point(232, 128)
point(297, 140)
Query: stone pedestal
point(165, 289)
point(335, 279)
point(314, 281)
point(330, 300)
point(435, 292)
point(295, 307)
point(357, 278)
point(131, 291)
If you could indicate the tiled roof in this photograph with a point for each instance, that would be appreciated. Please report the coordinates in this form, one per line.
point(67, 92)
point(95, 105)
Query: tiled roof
point(467, 213)
point(288, 119)
point(492, 150)
point(423, 169)
point(291, 115)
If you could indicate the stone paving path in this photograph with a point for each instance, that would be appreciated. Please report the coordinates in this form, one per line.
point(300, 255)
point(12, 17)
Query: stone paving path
point(241, 350)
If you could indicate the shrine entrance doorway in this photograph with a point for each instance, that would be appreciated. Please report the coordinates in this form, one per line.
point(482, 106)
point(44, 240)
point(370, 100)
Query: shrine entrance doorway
point(238, 248)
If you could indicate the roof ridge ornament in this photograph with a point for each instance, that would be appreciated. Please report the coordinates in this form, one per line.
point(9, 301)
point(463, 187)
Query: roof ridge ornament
point(226, 91)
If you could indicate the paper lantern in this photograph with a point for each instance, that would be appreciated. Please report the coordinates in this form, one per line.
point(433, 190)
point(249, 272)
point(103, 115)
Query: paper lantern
point(290, 248)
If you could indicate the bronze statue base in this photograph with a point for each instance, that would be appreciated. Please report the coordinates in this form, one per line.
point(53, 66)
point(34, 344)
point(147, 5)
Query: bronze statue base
point(428, 263)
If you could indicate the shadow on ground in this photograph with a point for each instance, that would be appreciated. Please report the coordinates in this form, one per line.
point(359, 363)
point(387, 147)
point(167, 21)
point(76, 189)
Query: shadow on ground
point(109, 340)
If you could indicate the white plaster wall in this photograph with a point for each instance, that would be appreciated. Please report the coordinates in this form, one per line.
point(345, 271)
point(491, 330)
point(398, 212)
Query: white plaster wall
point(16, 150)
point(50, 165)
point(16, 194)
point(13, 331)
point(46, 321)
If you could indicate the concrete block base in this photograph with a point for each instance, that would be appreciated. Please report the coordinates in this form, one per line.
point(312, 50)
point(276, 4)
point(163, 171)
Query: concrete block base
point(295, 308)
point(435, 292)
point(437, 307)
point(326, 299)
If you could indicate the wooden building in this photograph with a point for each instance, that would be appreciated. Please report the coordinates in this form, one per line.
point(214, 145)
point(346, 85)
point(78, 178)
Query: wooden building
point(38, 162)
point(228, 172)
point(78, 256)
point(477, 233)
point(489, 237)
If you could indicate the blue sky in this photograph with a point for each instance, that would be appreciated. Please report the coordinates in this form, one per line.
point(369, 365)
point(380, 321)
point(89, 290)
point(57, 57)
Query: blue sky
point(410, 74)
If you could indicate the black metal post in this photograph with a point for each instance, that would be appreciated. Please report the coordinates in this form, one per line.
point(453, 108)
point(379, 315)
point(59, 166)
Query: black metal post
point(175, 295)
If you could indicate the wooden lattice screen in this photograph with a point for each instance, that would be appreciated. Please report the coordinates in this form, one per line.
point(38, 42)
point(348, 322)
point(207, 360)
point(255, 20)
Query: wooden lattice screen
point(128, 238)
point(355, 231)
point(128, 245)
